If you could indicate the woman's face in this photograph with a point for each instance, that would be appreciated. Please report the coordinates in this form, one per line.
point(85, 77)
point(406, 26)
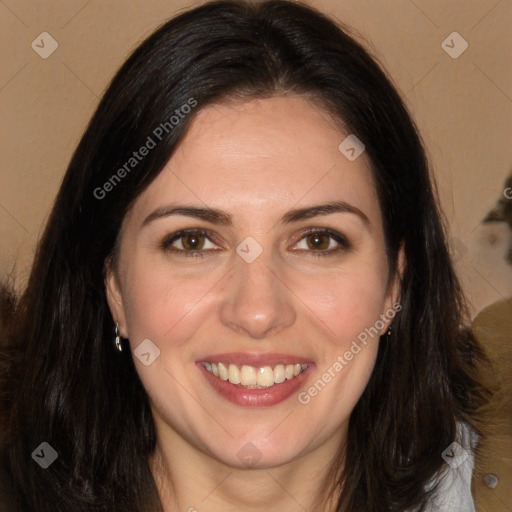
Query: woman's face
point(258, 250)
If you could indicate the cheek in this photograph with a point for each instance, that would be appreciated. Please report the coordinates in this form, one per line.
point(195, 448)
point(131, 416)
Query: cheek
point(347, 306)
point(347, 302)
point(161, 304)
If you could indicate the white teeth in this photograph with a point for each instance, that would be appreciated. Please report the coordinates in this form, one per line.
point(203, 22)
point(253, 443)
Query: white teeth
point(248, 376)
point(223, 371)
point(279, 375)
point(234, 374)
point(265, 377)
point(255, 378)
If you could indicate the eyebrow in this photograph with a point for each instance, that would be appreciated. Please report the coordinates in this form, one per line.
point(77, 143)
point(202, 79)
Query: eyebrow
point(215, 216)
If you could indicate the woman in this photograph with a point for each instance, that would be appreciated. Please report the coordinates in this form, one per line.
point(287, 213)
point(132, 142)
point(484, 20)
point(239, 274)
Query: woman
point(243, 299)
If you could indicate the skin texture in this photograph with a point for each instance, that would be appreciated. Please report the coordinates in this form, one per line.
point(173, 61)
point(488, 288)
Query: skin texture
point(254, 160)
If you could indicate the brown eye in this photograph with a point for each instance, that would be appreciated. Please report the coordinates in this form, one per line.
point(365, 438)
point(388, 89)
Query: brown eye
point(322, 242)
point(319, 241)
point(192, 241)
point(189, 243)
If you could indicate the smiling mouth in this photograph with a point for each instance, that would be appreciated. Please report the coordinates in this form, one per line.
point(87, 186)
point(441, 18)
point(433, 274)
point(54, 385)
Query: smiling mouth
point(251, 377)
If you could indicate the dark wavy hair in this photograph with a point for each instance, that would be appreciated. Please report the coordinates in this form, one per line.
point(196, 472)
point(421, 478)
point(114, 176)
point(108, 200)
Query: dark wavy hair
point(65, 384)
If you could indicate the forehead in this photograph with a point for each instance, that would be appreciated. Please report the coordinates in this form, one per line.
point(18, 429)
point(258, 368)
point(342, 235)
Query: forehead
point(266, 153)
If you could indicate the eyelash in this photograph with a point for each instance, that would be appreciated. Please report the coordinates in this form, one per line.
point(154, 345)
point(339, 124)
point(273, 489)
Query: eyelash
point(166, 244)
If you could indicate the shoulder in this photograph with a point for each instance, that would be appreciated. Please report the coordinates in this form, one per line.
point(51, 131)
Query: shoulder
point(453, 493)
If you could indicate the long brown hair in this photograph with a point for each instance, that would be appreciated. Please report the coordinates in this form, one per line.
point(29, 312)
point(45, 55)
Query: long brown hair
point(65, 385)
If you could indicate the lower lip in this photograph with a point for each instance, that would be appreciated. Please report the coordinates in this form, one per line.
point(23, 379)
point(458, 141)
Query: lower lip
point(255, 397)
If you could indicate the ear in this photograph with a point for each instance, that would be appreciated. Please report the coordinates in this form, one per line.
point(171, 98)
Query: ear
point(115, 297)
point(393, 296)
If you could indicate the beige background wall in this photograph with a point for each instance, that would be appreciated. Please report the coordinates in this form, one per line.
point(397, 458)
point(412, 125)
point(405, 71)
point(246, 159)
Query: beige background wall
point(463, 106)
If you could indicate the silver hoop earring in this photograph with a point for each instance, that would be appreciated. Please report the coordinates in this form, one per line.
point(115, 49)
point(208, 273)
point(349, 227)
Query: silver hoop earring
point(119, 347)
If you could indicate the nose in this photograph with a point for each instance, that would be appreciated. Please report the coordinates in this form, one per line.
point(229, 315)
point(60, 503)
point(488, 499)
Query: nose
point(257, 302)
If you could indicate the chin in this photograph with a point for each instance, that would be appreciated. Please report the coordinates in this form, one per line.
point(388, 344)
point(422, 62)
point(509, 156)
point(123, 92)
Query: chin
point(252, 455)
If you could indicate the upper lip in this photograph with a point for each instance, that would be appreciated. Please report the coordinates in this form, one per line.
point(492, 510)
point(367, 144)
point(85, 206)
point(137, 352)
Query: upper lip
point(254, 359)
